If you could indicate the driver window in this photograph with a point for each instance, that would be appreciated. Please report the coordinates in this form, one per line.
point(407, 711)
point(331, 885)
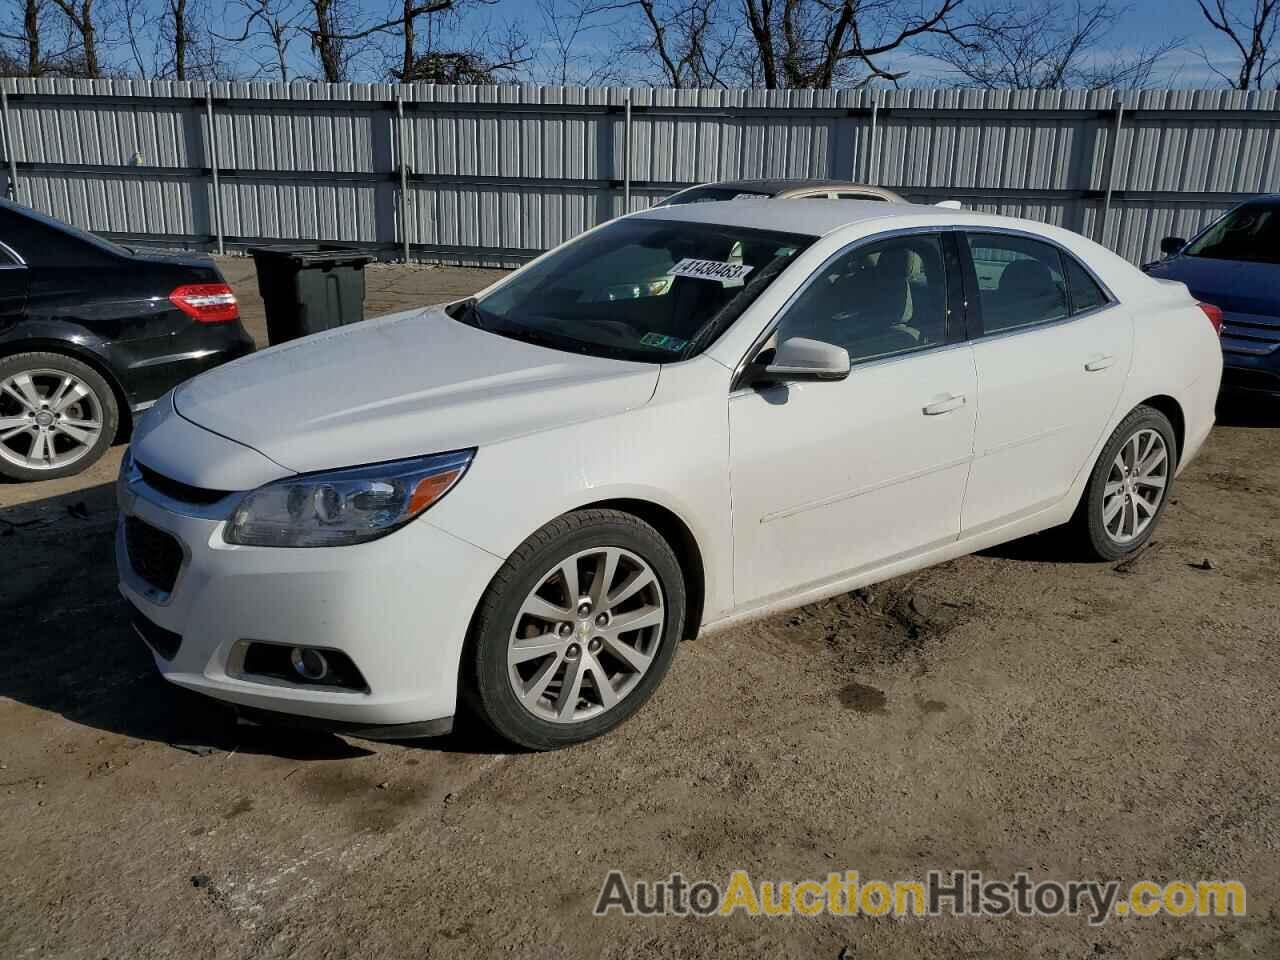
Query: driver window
point(878, 300)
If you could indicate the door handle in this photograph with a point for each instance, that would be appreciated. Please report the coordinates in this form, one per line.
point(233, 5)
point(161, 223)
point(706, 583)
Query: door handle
point(1099, 362)
point(944, 404)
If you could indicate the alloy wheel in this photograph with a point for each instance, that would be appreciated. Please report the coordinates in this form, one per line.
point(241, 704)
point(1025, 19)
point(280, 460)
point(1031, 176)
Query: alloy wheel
point(586, 635)
point(1135, 486)
point(48, 419)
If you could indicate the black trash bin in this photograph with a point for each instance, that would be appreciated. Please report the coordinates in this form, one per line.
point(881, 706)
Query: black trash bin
point(307, 288)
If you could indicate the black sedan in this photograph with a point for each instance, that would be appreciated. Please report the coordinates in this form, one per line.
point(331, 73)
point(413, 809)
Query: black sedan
point(92, 333)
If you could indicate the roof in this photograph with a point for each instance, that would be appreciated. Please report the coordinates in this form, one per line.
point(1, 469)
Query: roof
point(784, 184)
point(812, 218)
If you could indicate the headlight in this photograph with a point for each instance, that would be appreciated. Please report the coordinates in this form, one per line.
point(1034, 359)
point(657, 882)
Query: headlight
point(342, 507)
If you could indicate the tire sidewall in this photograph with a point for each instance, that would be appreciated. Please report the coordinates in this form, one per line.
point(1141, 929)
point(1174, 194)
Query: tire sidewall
point(1143, 418)
point(497, 701)
point(106, 401)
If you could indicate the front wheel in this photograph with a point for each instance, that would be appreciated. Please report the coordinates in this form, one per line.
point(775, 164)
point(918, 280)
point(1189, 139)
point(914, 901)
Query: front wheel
point(1129, 486)
point(576, 631)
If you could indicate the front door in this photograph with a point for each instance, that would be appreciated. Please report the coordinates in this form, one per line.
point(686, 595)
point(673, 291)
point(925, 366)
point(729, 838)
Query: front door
point(831, 478)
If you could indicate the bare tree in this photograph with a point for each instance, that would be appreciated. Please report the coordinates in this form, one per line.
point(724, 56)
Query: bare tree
point(1251, 27)
point(566, 55)
point(818, 43)
point(328, 40)
point(23, 53)
point(1046, 45)
point(270, 27)
point(80, 17)
point(180, 35)
point(488, 57)
point(785, 43)
point(690, 43)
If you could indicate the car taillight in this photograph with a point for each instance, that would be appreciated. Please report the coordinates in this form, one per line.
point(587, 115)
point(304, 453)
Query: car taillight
point(206, 302)
point(1215, 316)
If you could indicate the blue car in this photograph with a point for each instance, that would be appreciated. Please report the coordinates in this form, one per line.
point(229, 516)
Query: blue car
point(1234, 264)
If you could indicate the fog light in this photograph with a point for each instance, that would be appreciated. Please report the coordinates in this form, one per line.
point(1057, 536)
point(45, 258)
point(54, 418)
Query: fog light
point(308, 663)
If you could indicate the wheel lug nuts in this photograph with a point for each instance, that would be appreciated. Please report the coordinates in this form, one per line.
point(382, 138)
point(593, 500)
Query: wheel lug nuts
point(595, 645)
point(584, 609)
point(573, 651)
point(602, 620)
point(565, 629)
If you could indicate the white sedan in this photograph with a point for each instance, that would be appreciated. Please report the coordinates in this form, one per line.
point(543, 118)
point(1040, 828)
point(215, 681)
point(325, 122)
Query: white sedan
point(519, 504)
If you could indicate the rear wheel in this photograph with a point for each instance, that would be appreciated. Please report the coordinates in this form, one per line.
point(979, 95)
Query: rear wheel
point(1129, 486)
point(576, 631)
point(57, 416)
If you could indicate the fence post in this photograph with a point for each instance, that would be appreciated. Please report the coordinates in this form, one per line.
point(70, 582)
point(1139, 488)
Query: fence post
point(401, 140)
point(873, 158)
point(213, 166)
point(626, 159)
point(8, 145)
point(1113, 151)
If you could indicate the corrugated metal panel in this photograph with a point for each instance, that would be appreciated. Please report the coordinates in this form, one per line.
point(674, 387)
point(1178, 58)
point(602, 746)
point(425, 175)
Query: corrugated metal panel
point(115, 204)
point(520, 168)
point(300, 211)
point(299, 140)
point(123, 134)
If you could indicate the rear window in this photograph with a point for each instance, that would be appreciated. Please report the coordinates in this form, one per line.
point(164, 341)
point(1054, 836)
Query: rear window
point(43, 241)
point(1250, 232)
point(706, 194)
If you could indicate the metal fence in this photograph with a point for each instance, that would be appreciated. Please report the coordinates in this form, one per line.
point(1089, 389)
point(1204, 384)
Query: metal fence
point(497, 174)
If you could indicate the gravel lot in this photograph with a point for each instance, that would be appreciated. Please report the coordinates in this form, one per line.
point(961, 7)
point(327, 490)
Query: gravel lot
point(1001, 712)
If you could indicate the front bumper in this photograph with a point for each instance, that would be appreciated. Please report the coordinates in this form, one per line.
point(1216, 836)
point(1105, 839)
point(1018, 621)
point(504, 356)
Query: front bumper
point(399, 607)
point(1256, 374)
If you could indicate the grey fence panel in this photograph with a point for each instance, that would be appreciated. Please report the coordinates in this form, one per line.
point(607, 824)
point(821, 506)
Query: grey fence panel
point(497, 174)
point(164, 208)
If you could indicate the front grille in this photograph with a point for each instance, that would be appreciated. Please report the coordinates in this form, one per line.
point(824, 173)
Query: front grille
point(164, 642)
point(154, 555)
point(1249, 333)
point(177, 490)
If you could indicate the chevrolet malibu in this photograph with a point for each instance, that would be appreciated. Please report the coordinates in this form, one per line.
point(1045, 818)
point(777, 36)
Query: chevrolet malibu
point(517, 505)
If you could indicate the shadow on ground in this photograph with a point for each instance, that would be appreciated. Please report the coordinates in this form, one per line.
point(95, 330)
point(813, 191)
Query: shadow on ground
point(67, 645)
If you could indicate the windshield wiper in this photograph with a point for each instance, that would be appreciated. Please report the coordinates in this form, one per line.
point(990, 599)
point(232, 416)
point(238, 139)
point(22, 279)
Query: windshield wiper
point(466, 311)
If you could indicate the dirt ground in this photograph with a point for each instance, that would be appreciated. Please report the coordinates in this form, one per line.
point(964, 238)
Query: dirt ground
point(1002, 712)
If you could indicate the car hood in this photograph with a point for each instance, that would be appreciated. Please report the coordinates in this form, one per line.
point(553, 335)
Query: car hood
point(408, 384)
point(1236, 286)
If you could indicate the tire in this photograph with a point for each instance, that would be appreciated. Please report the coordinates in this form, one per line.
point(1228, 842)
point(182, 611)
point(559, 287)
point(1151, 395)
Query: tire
point(72, 409)
point(630, 661)
point(1102, 534)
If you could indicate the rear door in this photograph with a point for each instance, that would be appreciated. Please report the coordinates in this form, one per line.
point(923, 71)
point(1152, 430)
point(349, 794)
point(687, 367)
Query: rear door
point(1052, 348)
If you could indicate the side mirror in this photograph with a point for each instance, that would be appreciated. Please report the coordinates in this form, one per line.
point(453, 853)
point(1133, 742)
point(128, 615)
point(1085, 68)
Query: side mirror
point(1171, 245)
point(799, 358)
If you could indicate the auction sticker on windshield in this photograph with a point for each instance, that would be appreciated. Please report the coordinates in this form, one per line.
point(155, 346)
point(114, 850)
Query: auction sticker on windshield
point(710, 270)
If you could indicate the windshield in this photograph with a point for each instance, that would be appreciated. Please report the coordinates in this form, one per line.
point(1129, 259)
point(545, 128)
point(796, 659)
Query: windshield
point(703, 194)
point(1250, 232)
point(648, 290)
